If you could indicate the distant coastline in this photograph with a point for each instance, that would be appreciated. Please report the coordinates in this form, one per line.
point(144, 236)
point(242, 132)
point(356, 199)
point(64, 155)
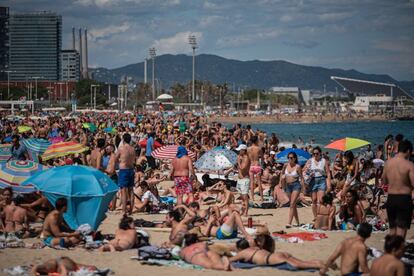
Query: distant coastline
point(266, 119)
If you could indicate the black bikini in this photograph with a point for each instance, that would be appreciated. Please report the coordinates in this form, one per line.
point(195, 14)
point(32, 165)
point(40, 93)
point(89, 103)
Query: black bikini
point(254, 253)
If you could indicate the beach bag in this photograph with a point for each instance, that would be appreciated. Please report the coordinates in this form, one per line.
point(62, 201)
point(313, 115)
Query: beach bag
point(153, 252)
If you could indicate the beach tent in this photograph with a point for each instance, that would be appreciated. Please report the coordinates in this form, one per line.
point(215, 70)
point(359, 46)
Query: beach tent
point(88, 191)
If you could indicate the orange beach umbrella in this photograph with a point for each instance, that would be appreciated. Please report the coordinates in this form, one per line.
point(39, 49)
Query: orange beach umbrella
point(347, 143)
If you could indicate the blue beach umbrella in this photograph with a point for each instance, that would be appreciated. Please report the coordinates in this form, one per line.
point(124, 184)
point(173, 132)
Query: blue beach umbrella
point(216, 159)
point(303, 156)
point(88, 191)
point(36, 147)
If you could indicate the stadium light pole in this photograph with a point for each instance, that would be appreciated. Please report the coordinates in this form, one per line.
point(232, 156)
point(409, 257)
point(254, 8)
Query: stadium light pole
point(8, 81)
point(193, 43)
point(152, 55)
point(36, 78)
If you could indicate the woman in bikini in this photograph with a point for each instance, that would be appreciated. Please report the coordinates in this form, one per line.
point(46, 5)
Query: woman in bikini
point(293, 184)
point(197, 253)
point(325, 219)
point(351, 212)
point(262, 253)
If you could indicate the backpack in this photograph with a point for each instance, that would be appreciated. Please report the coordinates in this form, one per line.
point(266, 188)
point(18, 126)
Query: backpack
point(153, 252)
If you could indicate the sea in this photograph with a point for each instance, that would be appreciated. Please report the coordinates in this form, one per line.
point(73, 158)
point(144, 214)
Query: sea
point(323, 133)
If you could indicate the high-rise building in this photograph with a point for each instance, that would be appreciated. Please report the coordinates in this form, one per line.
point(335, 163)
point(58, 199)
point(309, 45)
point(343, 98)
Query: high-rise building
point(4, 42)
point(35, 46)
point(70, 64)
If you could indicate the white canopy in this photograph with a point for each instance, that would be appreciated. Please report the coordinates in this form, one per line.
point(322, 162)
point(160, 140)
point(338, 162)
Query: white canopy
point(165, 97)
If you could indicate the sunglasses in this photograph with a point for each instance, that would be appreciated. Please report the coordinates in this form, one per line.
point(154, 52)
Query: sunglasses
point(291, 157)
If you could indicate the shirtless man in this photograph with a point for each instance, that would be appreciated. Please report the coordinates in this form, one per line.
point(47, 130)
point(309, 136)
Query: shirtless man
point(255, 153)
point(243, 181)
point(126, 158)
point(15, 218)
point(399, 175)
point(125, 236)
point(182, 172)
point(96, 155)
point(51, 231)
point(353, 253)
point(179, 227)
point(390, 264)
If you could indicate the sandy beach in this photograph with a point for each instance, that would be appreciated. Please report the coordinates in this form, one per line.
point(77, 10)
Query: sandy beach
point(121, 264)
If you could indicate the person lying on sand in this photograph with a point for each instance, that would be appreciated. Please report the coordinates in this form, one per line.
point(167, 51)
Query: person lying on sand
point(62, 265)
point(197, 253)
point(125, 236)
point(353, 253)
point(51, 231)
point(261, 252)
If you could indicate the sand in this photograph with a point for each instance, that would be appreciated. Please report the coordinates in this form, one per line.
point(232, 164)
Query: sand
point(121, 263)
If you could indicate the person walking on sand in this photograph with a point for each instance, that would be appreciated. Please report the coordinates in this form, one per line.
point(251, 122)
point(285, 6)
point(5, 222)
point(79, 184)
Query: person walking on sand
point(182, 172)
point(255, 172)
point(399, 175)
point(243, 181)
point(353, 253)
point(126, 158)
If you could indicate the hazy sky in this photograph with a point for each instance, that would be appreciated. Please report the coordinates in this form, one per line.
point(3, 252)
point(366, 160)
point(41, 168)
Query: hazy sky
point(372, 36)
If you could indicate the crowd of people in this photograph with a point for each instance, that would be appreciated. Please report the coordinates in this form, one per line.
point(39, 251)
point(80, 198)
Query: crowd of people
point(364, 191)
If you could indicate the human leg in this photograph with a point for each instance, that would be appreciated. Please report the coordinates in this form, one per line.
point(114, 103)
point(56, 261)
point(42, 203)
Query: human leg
point(293, 211)
point(314, 203)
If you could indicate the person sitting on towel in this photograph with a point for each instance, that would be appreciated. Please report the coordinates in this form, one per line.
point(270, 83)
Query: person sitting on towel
point(261, 252)
point(125, 236)
point(148, 202)
point(51, 231)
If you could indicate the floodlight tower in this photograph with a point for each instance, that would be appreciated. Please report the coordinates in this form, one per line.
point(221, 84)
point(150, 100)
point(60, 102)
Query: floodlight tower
point(153, 55)
point(193, 42)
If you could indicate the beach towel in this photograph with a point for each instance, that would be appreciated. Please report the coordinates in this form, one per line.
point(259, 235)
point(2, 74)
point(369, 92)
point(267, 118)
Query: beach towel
point(23, 270)
point(153, 252)
point(176, 263)
point(300, 237)
point(282, 266)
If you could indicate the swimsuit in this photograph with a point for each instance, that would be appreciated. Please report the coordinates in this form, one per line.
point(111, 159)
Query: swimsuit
point(194, 250)
point(183, 185)
point(255, 169)
point(254, 253)
point(126, 178)
point(399, 210)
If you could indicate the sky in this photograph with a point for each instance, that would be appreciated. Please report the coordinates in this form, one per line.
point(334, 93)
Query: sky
point(372, 36)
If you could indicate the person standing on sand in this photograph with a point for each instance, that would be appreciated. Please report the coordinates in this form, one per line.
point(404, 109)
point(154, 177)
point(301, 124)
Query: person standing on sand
point(255, 155)
point(390, 264)
point(126, 158)
point(243, 181)
point(97, 154)
point(399, 175)
point(353, 253)
point(182, 173)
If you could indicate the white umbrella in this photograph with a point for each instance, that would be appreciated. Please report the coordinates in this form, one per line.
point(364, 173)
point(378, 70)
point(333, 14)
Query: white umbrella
point(165, 97)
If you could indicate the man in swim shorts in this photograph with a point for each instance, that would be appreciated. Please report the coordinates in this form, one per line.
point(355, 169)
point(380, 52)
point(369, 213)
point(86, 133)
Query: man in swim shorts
point(182, 169)
point(399, 176)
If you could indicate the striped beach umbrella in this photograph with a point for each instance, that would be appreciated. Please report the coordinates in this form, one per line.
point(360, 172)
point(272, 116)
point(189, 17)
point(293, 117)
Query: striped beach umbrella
point(347, 144)
point(5, 152)
point(36, 147)
point(14, 172)
point(55, 140)
point(169, 152)
point(63, 149)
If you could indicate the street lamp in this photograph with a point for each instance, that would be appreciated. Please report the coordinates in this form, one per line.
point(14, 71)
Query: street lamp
point(193, 43)
point(8, 81)
point(152, 55)
point(94, 95)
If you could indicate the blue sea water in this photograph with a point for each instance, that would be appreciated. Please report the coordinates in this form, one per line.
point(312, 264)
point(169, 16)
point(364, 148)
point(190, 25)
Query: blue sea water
point(324, 133)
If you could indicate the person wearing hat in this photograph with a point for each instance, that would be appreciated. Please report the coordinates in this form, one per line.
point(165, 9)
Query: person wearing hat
point(243, 181)
point(182, 169)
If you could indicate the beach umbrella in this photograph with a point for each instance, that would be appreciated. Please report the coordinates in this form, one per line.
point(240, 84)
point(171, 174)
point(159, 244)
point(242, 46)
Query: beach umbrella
point(216, 159)
point(347, 144)
point(110, 130)
point(63, 149)
point(143, 143)
point(303, 156)
point(89, 126)
point(169, 152)
point(23, 129)
point(36, 147)
point(88, 191)
point(14, 172)
point(5, 152)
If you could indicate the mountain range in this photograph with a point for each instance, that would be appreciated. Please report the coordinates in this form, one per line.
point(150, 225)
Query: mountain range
point(171, 69)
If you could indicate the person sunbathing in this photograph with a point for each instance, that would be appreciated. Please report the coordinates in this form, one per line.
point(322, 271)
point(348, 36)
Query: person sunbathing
point(38, 209)
point(51, 231)
point(325, 218)
point(261, 252)
point(197, 253)
point(62, 265)
point(179, 227)
point(148, 201)
point(390, 264)
point(125, 236)
point(226, 197)
point(15, 218)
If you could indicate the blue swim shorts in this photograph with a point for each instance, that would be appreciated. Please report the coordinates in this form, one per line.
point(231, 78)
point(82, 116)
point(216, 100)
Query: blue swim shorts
point(126, 178)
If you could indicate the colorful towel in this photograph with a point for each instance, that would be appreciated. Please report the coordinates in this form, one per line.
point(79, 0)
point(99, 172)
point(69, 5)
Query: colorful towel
point(300, 237)
point(283, 266)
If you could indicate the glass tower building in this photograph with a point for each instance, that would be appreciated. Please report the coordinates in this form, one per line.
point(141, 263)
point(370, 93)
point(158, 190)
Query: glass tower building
point(35, 46)
point(4, 42)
